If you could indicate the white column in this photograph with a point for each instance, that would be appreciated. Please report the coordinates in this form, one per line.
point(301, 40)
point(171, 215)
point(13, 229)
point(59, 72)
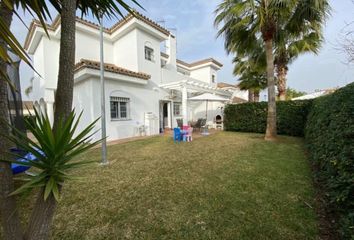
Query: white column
point(169, 114)
point(50, 112)
point(185, 105)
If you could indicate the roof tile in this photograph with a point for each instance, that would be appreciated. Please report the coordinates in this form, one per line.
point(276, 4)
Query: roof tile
point(85, 63)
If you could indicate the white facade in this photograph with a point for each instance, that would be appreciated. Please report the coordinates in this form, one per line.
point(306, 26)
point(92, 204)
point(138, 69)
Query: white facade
point(145, 89)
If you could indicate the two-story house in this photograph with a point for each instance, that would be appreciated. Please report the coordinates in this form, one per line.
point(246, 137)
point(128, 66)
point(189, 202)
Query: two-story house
point(143, 85)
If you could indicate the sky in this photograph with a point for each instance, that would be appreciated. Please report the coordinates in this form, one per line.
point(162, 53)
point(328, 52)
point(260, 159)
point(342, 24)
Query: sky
point(192, 22)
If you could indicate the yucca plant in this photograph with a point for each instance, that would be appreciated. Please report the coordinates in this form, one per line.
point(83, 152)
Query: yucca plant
point(56, 150)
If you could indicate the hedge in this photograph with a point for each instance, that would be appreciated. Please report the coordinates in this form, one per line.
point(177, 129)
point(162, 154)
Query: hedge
point(252, 117)
point(330, 139)
point(328, 126)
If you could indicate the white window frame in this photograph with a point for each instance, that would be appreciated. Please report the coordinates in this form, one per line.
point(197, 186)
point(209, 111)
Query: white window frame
point(149, 53)
point(118, 101)
point(179, 108)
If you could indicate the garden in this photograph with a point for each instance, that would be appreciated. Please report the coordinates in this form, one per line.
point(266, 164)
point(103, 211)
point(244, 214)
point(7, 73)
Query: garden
point(224, 186)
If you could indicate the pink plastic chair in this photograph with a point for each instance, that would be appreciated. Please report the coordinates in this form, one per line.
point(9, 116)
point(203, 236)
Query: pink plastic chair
point(187, 137)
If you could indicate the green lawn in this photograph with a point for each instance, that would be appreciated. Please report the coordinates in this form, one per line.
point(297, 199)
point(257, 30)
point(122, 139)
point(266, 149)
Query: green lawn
point(224, 186)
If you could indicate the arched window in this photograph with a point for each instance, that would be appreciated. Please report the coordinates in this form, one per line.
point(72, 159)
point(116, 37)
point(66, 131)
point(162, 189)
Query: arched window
point(149, 51)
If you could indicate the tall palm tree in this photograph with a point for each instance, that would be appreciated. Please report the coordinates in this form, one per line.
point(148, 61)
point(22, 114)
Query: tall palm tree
point(253, 82)
point(245, 22)
point(252, 76)
point(288, 48)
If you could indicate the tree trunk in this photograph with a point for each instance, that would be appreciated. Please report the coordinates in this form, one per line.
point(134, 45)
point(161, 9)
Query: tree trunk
point(271, 132)
point(281, 74)
point(250, 95)
point(41, 218)
point(64, 93)
point(10, 220)
point(256, 96)
point(43, 212)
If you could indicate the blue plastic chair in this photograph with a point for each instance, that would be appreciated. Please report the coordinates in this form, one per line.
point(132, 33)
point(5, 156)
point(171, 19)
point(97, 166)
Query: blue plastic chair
point(177, 135)
point(18, 168)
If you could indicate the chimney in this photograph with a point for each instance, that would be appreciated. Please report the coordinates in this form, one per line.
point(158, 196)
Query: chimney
point(171, 50)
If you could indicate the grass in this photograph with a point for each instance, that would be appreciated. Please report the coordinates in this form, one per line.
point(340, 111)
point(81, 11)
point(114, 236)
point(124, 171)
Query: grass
point(224, 186)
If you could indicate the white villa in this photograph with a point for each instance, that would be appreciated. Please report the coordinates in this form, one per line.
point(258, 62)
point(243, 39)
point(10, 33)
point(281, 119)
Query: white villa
point(144, 87)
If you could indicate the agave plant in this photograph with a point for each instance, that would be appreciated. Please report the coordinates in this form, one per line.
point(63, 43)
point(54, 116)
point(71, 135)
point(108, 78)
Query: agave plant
point(55, 150)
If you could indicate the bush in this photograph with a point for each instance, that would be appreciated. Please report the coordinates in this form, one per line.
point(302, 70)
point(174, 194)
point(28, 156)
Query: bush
point(252, 117)
point(330, 138)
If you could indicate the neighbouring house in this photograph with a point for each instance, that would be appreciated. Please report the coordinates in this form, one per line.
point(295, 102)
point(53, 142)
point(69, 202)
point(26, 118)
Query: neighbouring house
point(238, 96)
point(316, 94)
point(146, 89)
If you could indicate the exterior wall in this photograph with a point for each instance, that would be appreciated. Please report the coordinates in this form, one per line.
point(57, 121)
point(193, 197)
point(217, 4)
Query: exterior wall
point(126, 51)
point(39, 81)
point(83, 102)
point(51, 62)
point(88, 47)
point(142, 100)
point(239, 93)
point(203, 74)
point(152, 68)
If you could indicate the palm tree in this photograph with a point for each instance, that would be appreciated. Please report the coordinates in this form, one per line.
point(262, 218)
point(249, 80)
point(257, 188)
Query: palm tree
point(287, 49)
point(64, 92)
point(252, 76)
point(245, 22)
point(254, 83)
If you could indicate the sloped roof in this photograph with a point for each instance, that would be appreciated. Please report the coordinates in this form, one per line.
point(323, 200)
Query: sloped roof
point(56, 23)
point(85, 63)
point(225, 85)
point(194, 64)
point(316, 94)
point(237, 100)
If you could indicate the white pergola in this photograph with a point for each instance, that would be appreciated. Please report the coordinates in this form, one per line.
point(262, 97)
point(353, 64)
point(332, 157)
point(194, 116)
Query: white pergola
point(193, 86)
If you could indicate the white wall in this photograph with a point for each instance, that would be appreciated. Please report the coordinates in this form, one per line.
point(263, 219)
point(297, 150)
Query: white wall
point(38, 81)
point(51, 62)
point(83, 102)
point(88, 47)
point(125, 51)
point(202, 74)
point(152, 68)
point(142, 100)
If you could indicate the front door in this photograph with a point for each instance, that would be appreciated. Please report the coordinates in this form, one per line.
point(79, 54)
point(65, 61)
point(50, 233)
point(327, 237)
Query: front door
point(165, 115)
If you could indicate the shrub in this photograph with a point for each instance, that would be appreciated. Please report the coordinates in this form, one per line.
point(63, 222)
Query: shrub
point(252, 117)
point(330, 139)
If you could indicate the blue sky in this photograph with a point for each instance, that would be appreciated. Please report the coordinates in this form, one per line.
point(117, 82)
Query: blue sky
point(196, 39)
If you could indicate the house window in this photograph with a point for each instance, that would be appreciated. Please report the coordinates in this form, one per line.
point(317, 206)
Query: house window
point(213, 78)
point(177, 109)
point(149, 53)
point(120, 108)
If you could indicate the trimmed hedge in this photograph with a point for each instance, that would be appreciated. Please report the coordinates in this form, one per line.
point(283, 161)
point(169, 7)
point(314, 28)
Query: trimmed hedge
point(252, 117)
point(328, 126)
point(330, 139)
